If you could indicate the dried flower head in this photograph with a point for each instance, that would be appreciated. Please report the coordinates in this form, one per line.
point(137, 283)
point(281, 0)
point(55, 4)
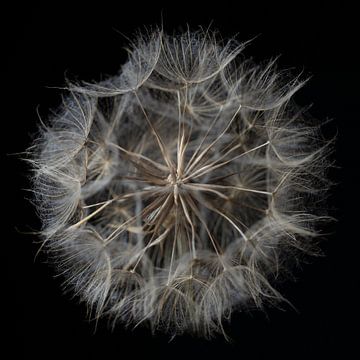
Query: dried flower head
point(170, 193)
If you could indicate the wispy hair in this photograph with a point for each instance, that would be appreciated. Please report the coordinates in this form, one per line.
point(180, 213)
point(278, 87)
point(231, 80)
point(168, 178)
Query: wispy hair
point(175, 192)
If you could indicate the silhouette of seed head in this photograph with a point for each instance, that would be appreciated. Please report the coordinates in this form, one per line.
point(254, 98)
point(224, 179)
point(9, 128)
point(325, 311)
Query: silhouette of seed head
point(174, 192)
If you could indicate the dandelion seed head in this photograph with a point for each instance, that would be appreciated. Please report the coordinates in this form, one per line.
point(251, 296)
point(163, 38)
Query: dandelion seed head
point(170, 192)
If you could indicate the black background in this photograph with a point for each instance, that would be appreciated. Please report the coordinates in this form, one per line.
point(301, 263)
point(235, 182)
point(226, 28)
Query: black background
point(42, 45)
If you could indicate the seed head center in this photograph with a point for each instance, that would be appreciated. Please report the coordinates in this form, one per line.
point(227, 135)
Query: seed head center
point(176, 182)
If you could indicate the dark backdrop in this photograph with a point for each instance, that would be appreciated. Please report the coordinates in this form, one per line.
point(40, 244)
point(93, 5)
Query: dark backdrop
point(42, 45)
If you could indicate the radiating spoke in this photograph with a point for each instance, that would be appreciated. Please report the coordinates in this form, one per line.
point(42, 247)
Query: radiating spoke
point(222, 214)
point(198, 148)
point(175, 239)
point(152, 242)
point(140, 156)
point(104, 204)
point(207, 187)
point(213, 166)
point(203, 222)
point(199, 187)
point(123, 226)
point(188, 218)
point(166, 156)
point(206, 150)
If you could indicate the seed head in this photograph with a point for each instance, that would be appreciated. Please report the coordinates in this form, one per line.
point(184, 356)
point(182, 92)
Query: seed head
point(172, 193)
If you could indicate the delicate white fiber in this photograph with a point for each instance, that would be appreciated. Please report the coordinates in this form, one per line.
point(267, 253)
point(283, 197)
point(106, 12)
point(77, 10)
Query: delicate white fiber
point(175, 192)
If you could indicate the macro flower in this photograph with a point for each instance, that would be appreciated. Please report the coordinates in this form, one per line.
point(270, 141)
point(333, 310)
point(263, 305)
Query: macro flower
point(175, 192)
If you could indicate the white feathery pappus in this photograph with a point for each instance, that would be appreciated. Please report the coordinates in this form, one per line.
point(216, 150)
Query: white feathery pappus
point(174, 193)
